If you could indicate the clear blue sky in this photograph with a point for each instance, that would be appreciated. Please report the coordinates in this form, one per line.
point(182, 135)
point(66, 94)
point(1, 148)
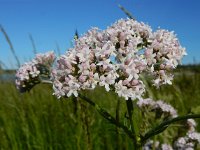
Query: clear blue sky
point(51, 21)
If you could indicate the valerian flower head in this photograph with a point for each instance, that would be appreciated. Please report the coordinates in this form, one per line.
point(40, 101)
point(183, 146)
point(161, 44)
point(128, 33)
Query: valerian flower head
point(166, 147)
point(156, 145)
point(187, 142)
point(159, 107)
point(191, 138)
point(116, 57)
point(191, 124)
point(163, 55)
point(166, 109)
point(29, 74)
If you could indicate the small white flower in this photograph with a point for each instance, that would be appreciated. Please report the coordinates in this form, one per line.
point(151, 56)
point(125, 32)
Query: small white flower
point(166, 147)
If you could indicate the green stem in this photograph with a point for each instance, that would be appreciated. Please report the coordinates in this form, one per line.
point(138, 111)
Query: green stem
point(107, 116)
point(46, 81)
point(129, 105)
point(161, 127)
point(117, 130)
point(85, 120)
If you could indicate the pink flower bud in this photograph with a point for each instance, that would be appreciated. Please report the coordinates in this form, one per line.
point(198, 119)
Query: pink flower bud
point(93, 66)
point(122, 43)
point(92, 56)
point(99, 37)
point(162, 66)
point(142, 67)
point(148, 52)
point(67, 79)
point(91, 74)
point(125, 82)
point(82, 78)
point(122, 36)
point(134, 82)
point(162, 72)
point(127, 61)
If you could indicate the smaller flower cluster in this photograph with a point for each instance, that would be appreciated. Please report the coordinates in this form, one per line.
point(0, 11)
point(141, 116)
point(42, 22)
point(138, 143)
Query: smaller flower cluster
point(159, 107)
point(188, 142)
point(156, 145)
point(46, 59)
point(163, 55)
point(29, 74)
point(191, 139)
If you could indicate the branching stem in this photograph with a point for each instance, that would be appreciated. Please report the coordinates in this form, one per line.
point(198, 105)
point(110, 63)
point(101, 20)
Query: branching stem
point(109, 117)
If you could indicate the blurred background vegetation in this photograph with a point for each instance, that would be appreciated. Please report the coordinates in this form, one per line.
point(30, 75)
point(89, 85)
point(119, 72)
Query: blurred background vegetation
point(37, 120)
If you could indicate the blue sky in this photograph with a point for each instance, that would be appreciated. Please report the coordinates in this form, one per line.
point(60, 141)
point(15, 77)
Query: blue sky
point(55, 21)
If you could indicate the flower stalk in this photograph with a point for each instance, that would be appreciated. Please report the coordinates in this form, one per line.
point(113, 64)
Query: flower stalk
point(129, 105)
point(108, 117)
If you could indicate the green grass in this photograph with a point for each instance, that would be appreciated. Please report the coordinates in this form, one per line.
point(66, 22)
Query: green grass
point(37, 120)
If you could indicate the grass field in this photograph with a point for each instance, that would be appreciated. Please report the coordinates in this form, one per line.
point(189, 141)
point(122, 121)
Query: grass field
point(37, 120)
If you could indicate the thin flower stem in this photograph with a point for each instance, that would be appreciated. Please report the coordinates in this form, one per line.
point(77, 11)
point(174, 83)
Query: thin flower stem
point(46, 81)
point(129, 105)
point(107, 116)
point(117, 129)
point(161, 127)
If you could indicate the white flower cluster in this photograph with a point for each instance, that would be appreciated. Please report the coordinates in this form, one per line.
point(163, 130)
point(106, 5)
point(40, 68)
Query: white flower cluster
point(157, 106)
point(163, 54)
point(28, 74)
point(115, 58)
point(46, 59)
point(157, 146)
point(189, 141)
point(25, 74)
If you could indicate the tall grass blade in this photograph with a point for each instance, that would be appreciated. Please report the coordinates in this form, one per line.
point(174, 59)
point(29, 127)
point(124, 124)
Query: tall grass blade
point(126, 12)
point(33, 44)
point(58, 49)
point(10, 44)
